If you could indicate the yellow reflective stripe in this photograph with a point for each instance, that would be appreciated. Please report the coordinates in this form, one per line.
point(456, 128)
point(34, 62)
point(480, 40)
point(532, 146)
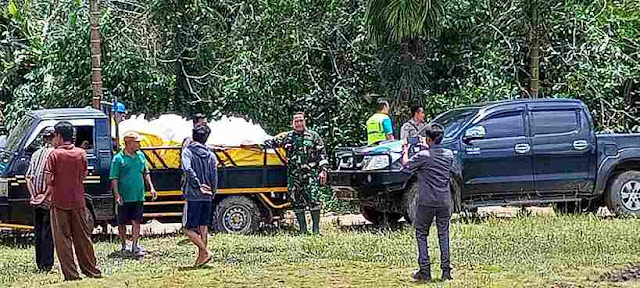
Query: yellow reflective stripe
point(228, 191)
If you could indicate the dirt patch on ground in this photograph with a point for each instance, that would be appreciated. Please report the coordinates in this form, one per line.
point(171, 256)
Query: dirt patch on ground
point(629, 273)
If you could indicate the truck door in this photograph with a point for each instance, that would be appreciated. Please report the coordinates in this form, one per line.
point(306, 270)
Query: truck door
point(498, 159)
point(564, 151)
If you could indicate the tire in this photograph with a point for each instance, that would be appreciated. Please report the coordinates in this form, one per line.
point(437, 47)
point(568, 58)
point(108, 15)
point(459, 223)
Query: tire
point(623, 194)
point(236, 215)
point(91, 222)
point(410, 200)
point(376, 217)
point(456, 198)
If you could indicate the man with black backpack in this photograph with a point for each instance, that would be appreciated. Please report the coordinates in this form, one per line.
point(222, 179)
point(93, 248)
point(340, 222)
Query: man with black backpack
point(415, 126)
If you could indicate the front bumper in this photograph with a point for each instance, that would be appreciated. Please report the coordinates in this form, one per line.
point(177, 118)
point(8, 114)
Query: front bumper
point(358, 185)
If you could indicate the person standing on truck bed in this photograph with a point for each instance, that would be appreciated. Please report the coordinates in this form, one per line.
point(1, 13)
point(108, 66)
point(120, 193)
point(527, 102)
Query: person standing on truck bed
point(128, 174)
point(65, 170)
point(40, 200)
point(433, 164)
point(306, 170)
point(200, 166)
point(119, 112)
point(415, 126)
point(379, 127)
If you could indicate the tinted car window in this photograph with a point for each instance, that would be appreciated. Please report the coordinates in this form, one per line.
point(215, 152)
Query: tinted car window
point(554, 122)
point(504, 125)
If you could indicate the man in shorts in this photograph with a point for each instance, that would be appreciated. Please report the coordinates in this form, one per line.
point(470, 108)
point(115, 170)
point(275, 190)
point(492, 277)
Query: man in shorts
point(199, 165)
point(128, 173)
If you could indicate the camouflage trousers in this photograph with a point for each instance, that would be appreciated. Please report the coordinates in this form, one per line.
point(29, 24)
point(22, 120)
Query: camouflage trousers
point(304, 189)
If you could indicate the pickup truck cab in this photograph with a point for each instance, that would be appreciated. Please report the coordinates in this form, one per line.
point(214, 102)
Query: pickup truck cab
point(519, 152)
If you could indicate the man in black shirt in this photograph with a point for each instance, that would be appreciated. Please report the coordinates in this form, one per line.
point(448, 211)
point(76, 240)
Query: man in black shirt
point(432, 164)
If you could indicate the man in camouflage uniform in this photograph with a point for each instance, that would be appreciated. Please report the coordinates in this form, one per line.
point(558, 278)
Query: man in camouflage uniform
point(306, 170)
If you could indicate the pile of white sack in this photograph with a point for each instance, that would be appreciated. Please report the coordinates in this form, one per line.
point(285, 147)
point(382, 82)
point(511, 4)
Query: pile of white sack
point(228, 131)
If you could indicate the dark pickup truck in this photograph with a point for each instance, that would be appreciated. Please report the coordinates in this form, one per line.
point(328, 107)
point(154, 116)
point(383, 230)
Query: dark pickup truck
point(520, 152)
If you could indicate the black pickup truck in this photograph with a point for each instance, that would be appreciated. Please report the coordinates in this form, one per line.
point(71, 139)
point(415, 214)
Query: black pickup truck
point(519, 152)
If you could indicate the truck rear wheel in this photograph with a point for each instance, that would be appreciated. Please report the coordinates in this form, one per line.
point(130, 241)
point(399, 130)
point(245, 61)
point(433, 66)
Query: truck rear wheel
point(236, 214)
point(623, 195)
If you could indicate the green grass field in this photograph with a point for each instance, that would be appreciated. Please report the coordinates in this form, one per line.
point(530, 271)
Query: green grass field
point(526, 251)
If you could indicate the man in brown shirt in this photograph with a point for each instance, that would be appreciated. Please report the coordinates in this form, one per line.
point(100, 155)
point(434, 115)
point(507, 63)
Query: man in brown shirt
point(65, 171)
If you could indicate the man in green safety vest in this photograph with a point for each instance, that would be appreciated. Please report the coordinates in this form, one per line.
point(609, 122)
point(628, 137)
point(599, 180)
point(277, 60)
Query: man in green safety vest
point(379, 126)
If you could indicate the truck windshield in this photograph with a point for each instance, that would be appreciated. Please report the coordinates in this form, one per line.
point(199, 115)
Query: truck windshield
point(13, 141)
point(454, 120)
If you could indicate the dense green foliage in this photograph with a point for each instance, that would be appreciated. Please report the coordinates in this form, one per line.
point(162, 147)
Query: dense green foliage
point(266, 59)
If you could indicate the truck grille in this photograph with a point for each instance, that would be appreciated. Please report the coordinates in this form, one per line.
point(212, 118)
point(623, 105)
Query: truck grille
point(4, 187)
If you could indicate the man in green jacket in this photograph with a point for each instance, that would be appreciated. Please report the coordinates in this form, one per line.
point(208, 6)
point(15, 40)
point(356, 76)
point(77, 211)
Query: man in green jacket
point(379, 127)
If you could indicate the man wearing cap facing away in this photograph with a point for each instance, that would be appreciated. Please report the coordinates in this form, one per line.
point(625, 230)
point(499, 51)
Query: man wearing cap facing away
point(40, 200)
point(128, 173)
point(119, 112)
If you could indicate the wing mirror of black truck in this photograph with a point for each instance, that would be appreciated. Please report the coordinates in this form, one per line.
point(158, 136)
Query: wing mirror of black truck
point(473, 133)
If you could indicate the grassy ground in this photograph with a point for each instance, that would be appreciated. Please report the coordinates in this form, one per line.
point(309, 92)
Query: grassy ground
point(541, 251)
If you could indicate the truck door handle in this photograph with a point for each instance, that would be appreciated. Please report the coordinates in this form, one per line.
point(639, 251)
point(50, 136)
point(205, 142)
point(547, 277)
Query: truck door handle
point(522, 148)
point(580, 144)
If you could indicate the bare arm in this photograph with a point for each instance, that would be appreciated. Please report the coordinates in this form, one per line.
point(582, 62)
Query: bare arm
point(147, 177)
point(116, 192)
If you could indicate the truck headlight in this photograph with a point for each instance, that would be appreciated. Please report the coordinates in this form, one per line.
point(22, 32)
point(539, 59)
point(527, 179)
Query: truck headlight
point(375, 162)
point(346, 162)
point(4, 187)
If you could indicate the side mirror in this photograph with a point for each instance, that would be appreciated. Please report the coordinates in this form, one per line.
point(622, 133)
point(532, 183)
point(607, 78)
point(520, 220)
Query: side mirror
point(475, 132)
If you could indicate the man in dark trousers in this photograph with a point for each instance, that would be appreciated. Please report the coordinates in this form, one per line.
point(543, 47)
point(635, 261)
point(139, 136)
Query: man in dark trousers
point(65, 172)
point(200, 166)
point(432, 164)
point(40, 200)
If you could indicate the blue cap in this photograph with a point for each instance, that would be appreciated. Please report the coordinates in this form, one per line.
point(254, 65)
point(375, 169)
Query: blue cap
point(118, 107)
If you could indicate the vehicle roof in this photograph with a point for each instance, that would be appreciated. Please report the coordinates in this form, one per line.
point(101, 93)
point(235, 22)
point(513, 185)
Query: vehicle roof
point(68, 113)
point(542, 101)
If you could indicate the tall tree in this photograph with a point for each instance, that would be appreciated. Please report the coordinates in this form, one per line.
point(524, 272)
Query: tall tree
point(534, 49)
point(96, 78)
point(400, 28)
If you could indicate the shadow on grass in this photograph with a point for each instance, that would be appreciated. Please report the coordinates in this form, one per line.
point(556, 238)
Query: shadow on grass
point(126, 255)
point(371, 228)
point(112, 238)
point(194, 268)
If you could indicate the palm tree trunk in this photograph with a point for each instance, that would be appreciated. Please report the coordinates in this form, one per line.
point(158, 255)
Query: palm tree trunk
point(535, 49)
point(96, 78)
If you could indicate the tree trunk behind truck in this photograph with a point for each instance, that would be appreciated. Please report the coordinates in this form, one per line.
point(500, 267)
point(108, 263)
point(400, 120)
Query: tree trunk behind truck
point(96, 78)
